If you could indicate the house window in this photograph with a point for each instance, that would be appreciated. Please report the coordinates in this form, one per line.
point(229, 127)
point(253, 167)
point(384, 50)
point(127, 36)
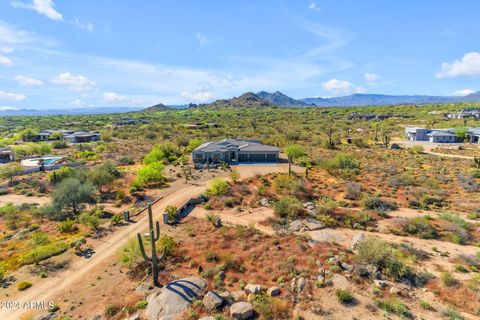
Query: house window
point(198, 156)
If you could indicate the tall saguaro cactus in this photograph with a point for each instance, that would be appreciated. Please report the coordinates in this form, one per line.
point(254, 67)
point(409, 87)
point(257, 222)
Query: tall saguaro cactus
point(154, 236)
point(476, 161)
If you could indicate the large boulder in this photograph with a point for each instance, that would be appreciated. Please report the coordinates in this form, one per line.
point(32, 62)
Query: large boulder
point(340, 282)
point(302, 225)
point(174, 298)
point(212, 300)
point(241, 310)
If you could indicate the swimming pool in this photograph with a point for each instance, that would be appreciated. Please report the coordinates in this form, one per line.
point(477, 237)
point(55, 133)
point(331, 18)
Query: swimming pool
point(35, 162)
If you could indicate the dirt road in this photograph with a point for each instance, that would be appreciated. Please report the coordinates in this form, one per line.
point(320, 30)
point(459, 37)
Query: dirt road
point(49, 289)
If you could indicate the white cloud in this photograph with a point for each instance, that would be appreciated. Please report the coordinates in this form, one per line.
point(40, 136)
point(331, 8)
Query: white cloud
point(76, 83)
point(112, 97)
point(200, 96)
point(11, 96)
point(371, 78)
point(5, 60)
point(77, 103)
point(83, 24)
point(468, 65)
point(27, 81)
point(341, 87)
point(463, 92)
point(7, 108)
point(43, 7)
point(202, 39)
point(313, 6)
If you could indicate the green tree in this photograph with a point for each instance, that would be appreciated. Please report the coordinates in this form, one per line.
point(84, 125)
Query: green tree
point(193, 144)
point(10, 170)
point(461, 132)
point(293, 151)
point(152, 172)
point(103, 175)
point(71, 195)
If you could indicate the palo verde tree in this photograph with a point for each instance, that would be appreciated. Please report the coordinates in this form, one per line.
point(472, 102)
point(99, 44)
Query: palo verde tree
point(72, 194)
point(293, 151)
point(10, 170)
point(154, 237)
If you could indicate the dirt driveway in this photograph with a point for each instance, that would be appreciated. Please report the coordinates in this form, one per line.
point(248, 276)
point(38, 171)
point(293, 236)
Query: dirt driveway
point(19, 199)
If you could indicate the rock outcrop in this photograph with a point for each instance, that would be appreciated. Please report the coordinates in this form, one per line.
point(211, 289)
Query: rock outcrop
point(174, 298)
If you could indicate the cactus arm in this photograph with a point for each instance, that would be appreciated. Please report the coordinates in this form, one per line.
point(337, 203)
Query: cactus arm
point(142, 248)
point(157, 225)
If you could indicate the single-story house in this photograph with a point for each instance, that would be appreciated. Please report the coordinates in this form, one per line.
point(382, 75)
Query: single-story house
point(233, 150)
point(474, 135)
point(82, 137)
point(6, 155)
point(441, 135)
point(46, 135)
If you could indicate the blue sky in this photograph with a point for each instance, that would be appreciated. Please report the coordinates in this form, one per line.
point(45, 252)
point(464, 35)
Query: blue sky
point(89, 53)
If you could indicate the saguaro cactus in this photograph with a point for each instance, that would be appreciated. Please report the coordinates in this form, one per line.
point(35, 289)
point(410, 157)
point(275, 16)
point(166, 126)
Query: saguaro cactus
point(154, 236)
point(476, 160)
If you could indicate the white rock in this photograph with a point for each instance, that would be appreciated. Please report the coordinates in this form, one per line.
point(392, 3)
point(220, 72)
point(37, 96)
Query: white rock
point(212, 300)
point(241, 310)
point(253, 288)
point(273, 291)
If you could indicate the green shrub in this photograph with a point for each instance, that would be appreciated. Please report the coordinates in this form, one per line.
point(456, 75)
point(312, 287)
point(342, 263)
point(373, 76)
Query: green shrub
point(111, 310)
point(218, 187)
point(342, 165)
point(288, 207)
point(382, 255)
point(66, 226)
point(344, 296)
point(377, 204)
point(167, 243)
point(448, 279)
point(452, 314)
point(395, 307)
point(425, 305)
point(23, 285)
point(142, 304)
point(130, 253)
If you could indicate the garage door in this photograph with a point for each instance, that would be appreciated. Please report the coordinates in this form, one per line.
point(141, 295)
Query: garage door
point(257, 158)
point(271, 157)
point(242, 157)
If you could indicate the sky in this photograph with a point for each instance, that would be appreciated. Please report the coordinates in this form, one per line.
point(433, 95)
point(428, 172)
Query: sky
point(61, 54)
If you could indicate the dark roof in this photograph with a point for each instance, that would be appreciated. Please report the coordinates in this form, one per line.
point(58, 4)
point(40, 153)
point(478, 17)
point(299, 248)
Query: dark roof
point(234, 144)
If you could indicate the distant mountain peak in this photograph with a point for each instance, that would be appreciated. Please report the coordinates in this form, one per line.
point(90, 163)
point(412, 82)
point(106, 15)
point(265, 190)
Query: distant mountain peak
point(156, 108)
point(280, 99)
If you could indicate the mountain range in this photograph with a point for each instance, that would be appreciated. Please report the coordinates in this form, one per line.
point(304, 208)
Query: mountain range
point(265, 99)
point(362, 100)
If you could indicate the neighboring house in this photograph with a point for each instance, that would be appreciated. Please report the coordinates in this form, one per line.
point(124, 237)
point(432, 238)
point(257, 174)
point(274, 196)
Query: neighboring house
point(129, 121)
point(474, 135)
point(46, 135)
point(201, 125)
point(465, 113)
point(82, 137)
point(6, 155)
point(232, 150)
point(441, 135)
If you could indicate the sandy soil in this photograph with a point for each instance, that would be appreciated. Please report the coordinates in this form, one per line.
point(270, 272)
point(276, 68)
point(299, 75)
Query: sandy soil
point(19, 199)
point(252, 217)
